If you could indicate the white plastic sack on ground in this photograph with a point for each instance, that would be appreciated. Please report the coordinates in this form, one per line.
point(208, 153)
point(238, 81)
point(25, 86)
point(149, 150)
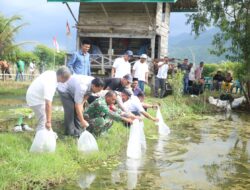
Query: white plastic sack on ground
point(238, 101)
point(219, 103)
point(143, 139)
point(163, 129)
point(87, 142)
point(44, 141)
point(134, 142)
point(212, 101)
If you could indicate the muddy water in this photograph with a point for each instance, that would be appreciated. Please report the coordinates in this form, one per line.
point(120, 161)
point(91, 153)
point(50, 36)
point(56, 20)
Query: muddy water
point(213, 153)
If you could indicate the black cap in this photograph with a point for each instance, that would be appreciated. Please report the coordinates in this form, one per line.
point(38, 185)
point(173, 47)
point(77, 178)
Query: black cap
point(127, 92)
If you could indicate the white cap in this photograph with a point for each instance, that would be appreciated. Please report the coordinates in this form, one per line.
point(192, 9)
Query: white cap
point(143, 56)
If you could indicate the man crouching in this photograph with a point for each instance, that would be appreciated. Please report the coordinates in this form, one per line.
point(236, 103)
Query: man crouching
point(100, 114)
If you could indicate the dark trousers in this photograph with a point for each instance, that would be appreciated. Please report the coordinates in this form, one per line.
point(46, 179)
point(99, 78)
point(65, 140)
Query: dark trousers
point(185, 83)
point(160, 83)
point(72, 124)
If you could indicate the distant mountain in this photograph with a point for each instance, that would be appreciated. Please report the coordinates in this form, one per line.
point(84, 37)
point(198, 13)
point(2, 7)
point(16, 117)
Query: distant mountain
point(187, 46)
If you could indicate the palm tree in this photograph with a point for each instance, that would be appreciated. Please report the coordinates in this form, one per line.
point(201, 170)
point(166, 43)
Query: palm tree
point(7, 33)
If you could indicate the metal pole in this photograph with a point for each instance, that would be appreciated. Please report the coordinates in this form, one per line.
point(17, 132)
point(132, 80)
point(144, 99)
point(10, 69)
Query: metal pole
point(71, 12)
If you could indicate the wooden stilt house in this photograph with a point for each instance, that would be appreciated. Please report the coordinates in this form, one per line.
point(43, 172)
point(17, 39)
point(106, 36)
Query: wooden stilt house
point(114, 26)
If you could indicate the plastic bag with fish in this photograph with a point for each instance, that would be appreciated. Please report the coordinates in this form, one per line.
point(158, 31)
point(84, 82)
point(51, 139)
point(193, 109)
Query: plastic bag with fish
point(163, 129)
point(87, 142)
point(44, 141)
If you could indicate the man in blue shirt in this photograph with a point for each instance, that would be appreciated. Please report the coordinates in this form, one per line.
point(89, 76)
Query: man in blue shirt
point(80, 61)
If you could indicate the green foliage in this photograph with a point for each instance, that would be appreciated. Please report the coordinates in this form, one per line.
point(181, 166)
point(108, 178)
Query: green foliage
point(177, 84)
point(27, 57)
point(46, 56)
point(236, 69)
point(232, 18)
point(7, 34)
point(44, 53)
point(210, 69)
point(60, 58)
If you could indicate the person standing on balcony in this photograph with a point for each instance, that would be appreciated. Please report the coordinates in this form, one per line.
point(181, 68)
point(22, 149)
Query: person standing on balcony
point(121, 66)
point(140, 71)
point(80, 60)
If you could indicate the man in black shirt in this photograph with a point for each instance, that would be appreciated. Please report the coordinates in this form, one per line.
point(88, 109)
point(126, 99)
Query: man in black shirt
point(217, 80)
point(117, 84)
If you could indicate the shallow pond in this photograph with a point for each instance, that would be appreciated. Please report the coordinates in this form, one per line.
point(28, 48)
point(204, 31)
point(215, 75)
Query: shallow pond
point(207, 154)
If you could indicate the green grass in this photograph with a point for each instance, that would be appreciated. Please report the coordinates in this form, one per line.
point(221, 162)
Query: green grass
point(10, 88)
point(21, 169)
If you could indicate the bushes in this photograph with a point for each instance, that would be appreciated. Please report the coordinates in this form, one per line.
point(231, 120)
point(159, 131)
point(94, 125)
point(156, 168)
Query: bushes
point(211, 68)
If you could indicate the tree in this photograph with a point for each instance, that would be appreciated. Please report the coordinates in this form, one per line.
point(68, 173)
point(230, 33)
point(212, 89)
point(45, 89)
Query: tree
point(46, 56)
point(232, 17)
point(7, 34)
point(27, 57)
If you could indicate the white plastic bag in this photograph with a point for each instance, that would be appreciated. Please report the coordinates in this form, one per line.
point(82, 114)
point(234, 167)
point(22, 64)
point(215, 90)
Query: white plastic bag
point(87, 142)
point(134, 142)
point(44, 141)
point(142, 135)
point(163, 128)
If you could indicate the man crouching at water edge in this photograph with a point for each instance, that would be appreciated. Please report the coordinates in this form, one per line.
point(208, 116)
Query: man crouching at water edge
point(133, 104)
point(40, 95)
point(73, 96)
point(100, 114)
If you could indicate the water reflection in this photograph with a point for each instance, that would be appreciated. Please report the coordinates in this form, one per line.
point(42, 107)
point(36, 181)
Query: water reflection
point(132, 166)
point(201, 154)
point(86, 179)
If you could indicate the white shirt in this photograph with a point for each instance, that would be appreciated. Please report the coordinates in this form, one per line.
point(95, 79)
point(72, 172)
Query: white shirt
point(77, 86)
point(140, 70)
point(133, 104)
point(122, 67)
point(32, 66)
point(191, 74)
point(162, 71)
point(42, 88)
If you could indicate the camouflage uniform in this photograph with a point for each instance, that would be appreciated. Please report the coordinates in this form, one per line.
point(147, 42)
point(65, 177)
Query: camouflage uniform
point(100, 117)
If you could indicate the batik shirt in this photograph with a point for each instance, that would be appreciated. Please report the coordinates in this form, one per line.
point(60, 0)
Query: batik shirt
point(99, 108)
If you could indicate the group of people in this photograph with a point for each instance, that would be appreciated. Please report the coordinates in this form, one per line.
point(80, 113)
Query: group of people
point(193, 80)
point(223, 82)
point(91, 103)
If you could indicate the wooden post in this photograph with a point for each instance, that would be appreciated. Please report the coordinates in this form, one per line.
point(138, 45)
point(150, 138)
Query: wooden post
point(77, 43)
point(110, 50)
point(103, 71)
point(153, 47)
point(151, 84)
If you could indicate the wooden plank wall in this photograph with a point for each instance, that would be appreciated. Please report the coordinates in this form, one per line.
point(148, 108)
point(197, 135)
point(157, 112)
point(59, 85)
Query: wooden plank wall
point(120, 17)
point(163, 27)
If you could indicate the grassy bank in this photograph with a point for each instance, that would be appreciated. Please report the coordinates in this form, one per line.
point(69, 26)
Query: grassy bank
point(23, 170)
point(20, 169)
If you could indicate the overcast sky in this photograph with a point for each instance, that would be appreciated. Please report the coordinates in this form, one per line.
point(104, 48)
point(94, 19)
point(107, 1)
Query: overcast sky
point(46, 20)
